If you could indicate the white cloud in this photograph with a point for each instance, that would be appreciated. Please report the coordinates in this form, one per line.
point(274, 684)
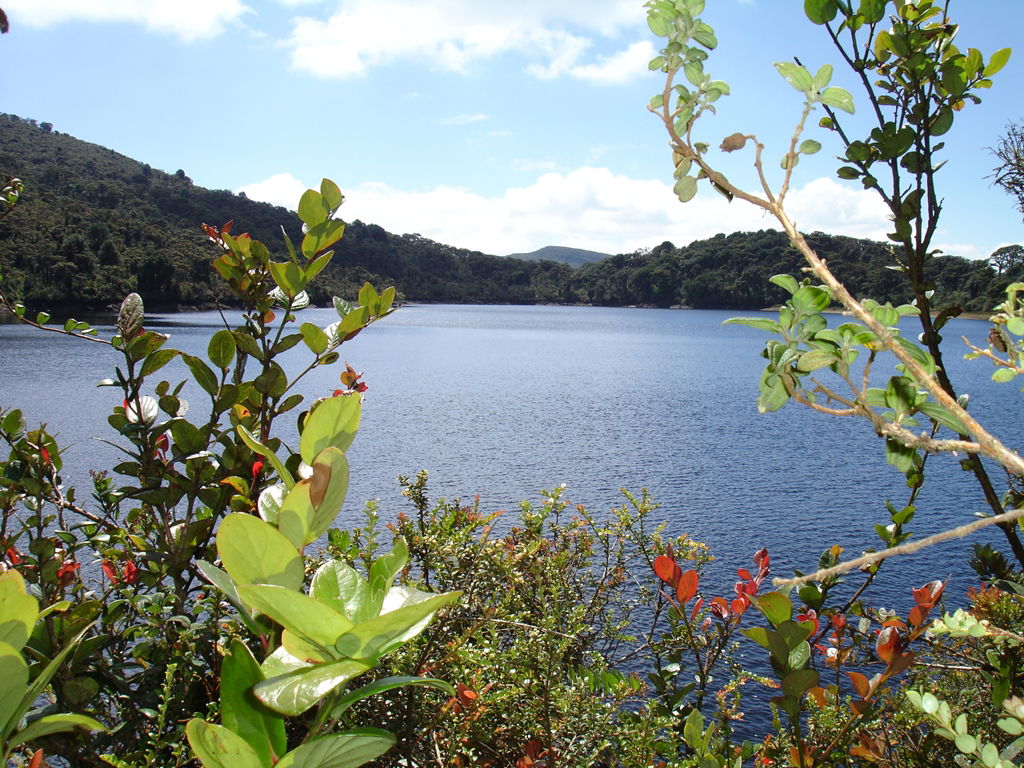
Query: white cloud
point(619, 67)
point(188, 20)
point(455, 34)
point(465, 119)
point(281, 189)
point(592, 208)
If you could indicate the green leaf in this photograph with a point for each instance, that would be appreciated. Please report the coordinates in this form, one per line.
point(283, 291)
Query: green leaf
point(809, 146)
point(815, 359)
point(315, 338)
point(795, 75)
point(376, 637)
point(942, 416)
point(384, 570)
point(221, 349)
point(795, 632)
point(187, 439)
point(1015, 325)
point(839, 98)
point(966, 743)
point(312, 208)
point(157, 360)
point(317, 265)
point(799, 656)
point(799, 681)
point(256, 446)
point(387, 684)
point(759, 635)
point(331, 195)
point(217, 747)
point(820, 11)
point(342, 750)
point(693, 729)
point(310, 507)
point(328, 488)
point(322, 236)
point(900, 394)
point(18, 610)
point(223, 582)
point(1003, 375)
point(302, 615)
point(48, 724)
point(942, 122)
point(811, 299)
point(339, 585)
point(997, 61)
point(332, 423)
point(705, 35)
point(41, 678)
point(13, 687)
point(201, 372)
point(775, 606)
point(685, 188)
point(872, 11)
point(240, 710)
point(763, 323)
point(292, 693)
point(786, 282)
point(254, 552)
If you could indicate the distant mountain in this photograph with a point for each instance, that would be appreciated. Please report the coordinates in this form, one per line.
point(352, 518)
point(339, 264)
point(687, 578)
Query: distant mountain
point(574, 257)
point(94, 225)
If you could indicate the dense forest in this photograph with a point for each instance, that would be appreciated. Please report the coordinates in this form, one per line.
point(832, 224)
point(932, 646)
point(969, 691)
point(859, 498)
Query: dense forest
point(94, 225)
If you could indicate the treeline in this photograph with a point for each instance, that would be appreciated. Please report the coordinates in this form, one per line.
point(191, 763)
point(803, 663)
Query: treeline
point(95, 225)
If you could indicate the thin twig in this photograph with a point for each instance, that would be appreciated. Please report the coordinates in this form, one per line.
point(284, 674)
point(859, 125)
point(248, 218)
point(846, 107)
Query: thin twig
point(903, 549)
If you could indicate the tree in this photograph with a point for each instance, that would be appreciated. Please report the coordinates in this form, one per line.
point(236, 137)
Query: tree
point(915, 81)
point(1009, 174)
point(1007, 258)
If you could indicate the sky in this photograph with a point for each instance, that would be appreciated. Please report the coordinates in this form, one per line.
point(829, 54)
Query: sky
point(495, 125)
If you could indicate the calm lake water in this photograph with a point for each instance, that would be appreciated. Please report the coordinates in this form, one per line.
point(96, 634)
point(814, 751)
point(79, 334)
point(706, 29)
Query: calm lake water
point(503, 401)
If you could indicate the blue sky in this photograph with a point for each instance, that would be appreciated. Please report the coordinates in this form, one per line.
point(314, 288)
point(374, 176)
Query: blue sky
point(488, 124)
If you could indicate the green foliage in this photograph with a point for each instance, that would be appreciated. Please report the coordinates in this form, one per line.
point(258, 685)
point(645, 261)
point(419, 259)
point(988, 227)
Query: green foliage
point(21, 683)
point(178, 479)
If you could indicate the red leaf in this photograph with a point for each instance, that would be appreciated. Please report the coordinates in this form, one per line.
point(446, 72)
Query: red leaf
point(719, 607)
point(131, 573)
point(918, 614)
point(14, 555)
point(37, 759)
point(739, 605)
point(761, 559)
point(887, 644)
point(860, 684)
point(929, 593)
point(667, 570)
point(902, 662)
point(108, 569)
point(696, 609)
point(227, 227)
point(809, 615)
point(687, 586)
point(860, 707)
point(744, 574)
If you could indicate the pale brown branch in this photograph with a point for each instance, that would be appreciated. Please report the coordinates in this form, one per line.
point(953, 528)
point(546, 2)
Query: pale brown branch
point(903, 549)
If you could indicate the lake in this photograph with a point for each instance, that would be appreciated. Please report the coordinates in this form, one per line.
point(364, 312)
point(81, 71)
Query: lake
point(503, 401)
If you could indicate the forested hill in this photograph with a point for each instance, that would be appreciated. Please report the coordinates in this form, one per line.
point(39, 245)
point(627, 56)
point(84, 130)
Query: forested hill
point(95, 225)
